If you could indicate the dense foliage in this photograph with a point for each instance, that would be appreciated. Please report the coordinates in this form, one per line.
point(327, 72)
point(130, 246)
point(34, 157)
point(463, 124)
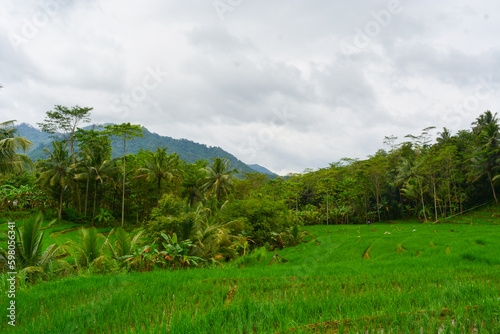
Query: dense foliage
point(206, 212)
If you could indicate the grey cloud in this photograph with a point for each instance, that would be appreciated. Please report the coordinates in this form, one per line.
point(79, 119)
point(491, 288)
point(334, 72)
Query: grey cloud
point(226, 80)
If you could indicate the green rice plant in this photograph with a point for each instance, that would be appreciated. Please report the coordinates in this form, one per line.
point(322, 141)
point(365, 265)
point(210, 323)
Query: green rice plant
point(480, 242)
point(366, 254)
point(400, 249)
point(324, 287)
point(255, 256)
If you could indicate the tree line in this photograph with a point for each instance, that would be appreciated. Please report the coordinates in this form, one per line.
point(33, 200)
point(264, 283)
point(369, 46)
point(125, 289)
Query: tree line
point(220, 213)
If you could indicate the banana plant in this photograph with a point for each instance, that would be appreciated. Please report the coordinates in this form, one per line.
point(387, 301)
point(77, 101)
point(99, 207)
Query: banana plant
point(143, 258)
point(177, 253)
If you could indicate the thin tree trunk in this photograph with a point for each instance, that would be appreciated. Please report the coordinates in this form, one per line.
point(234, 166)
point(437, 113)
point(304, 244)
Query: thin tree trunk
point(422, 199)
point(435, 200)
point(79, 198)
point(123, 188)
point(327, 210)
point(59, 214)
point(72, 142)
point(86, 195)
point(93, 208)
point(493, 189)
point(449, 197)
point(423, 204)
point(378, 206)
point(159, 189)
point(461, 201)
point(459, 198)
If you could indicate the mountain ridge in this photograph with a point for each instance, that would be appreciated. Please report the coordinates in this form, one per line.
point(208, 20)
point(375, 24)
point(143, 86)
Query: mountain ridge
point(262, 170)
point(188, 150)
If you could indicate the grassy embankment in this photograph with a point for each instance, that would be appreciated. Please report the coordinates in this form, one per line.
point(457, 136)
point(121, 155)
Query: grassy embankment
point(419, 278)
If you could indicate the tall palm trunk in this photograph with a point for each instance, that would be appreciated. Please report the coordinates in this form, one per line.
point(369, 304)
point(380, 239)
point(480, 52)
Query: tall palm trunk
point(159, 188)
point(327, 210)
point(435, 199)
point(93, 209)
point(86, 195)
point(123, 188)
point(59, 213)
point(422, 198)
point(449, 198)
point(79, 198)
point(378, 206)
point(493, 188)
point(461, 200)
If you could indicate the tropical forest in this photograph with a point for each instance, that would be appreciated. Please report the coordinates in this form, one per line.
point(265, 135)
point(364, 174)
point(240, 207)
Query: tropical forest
point(96, 239)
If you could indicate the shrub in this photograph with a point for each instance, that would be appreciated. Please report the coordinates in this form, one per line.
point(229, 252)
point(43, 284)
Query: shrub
point(72, 215)
point(260, 216)
point(166, 218)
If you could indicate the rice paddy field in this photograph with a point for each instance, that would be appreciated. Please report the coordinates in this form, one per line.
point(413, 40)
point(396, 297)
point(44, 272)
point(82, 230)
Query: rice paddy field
point(393, 277)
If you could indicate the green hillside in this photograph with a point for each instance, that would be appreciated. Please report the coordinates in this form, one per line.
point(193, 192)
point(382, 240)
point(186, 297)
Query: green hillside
point(263, 170)
point(188, 150)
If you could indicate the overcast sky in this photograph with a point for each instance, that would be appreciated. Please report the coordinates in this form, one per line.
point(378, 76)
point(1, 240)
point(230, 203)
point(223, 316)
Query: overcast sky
point(289, 85)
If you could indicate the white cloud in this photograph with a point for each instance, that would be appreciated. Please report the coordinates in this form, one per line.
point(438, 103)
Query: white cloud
point(224, 81)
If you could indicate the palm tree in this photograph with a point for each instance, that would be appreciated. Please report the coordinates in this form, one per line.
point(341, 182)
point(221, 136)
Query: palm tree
point(487, 159)
point(214, 237)
point(219, 179)
point(83, 169)
point(90, 250)
point(192, 182)
point(444, 136)
point(30, 257)
point(192, 191)
point(125, 131)
point(56, 170)
point(97, 168)
point(484, 165)
point(10, 160)
point(124, 243)
point(484, 120)
point(410, 177)
point(159, 166)
point(490, 136)
point(95, 147)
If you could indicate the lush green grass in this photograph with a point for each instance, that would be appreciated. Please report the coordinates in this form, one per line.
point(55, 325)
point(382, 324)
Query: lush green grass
point(484, 215)
point(420, 277)
point(58, 233)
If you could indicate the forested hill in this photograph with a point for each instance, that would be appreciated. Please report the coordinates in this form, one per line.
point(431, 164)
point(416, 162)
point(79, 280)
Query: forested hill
point(263, 170)
point(187, 149)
